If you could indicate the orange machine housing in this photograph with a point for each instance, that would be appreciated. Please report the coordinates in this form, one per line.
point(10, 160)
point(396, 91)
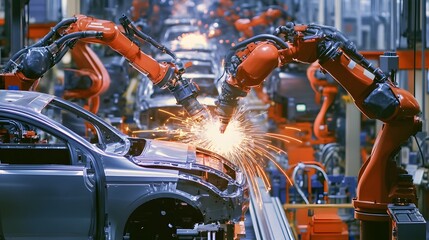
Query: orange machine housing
point(245, 25)
point(380, 181)
point(325, 224)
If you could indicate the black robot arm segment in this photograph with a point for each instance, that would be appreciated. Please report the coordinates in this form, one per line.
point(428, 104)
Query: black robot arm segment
point(227, 103)
point(38, 60)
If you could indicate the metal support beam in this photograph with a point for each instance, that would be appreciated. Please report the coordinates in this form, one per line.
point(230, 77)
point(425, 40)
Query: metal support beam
point(338, 15)
point(321, 16)
point(353, 157)
point(70, 8)
point(15, 24)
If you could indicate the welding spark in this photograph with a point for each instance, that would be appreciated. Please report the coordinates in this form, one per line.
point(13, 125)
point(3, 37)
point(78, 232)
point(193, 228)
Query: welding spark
point(190, 41)
point(243, 143)
point(229, 144)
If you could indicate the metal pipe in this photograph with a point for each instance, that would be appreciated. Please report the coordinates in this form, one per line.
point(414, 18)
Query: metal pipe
point(327, 148)
point(393, 21)
point(298, 189)
point(323, 173)
point(300, 206)
point(303, 166)
point(328, 158)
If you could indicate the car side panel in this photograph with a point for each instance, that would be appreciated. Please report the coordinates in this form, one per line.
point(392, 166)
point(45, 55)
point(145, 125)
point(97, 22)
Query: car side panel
point(44, 202)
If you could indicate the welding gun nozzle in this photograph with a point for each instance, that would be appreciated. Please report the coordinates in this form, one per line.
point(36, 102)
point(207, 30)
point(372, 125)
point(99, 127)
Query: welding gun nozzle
point(202, 115)
point(222, 127)
point(225, 113)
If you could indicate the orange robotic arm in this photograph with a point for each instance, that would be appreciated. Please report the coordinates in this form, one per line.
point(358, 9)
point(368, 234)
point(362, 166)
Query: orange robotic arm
point(88, 64)
point(37, 59)
point(327, 91)
point(380, 181)
point(118, 41)
point(246, 25)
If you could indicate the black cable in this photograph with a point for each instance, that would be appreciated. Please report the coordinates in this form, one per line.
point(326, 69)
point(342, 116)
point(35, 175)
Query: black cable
point(349, 48)
point(63, 51)
point(221, 76)
point(77, 35)
point(421, 151)
point(61, 24)
point(69, 41)
point(261, 37)
point(125, 21)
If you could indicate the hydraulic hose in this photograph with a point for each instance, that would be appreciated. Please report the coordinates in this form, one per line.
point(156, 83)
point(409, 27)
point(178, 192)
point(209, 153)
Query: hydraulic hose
point(77, 35)
point(303, 166)
point(125, 21)
point(39, 43)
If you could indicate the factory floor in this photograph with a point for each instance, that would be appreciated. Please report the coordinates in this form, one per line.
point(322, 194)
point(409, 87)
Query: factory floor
point(250, 231)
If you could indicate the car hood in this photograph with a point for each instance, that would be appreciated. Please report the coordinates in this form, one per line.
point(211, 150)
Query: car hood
point(166, 151)
point(168, 101)
point(188, 158)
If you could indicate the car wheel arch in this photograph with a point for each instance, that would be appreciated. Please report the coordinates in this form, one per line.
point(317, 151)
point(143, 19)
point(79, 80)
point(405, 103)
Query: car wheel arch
point(148, 200)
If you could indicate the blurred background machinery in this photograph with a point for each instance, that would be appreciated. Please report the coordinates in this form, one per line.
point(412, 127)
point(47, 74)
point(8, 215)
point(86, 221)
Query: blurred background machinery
point(296, 100)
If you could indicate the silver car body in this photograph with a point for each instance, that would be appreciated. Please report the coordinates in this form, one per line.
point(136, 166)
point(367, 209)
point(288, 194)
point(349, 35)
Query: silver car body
point(174, 32)
point(68, 187)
